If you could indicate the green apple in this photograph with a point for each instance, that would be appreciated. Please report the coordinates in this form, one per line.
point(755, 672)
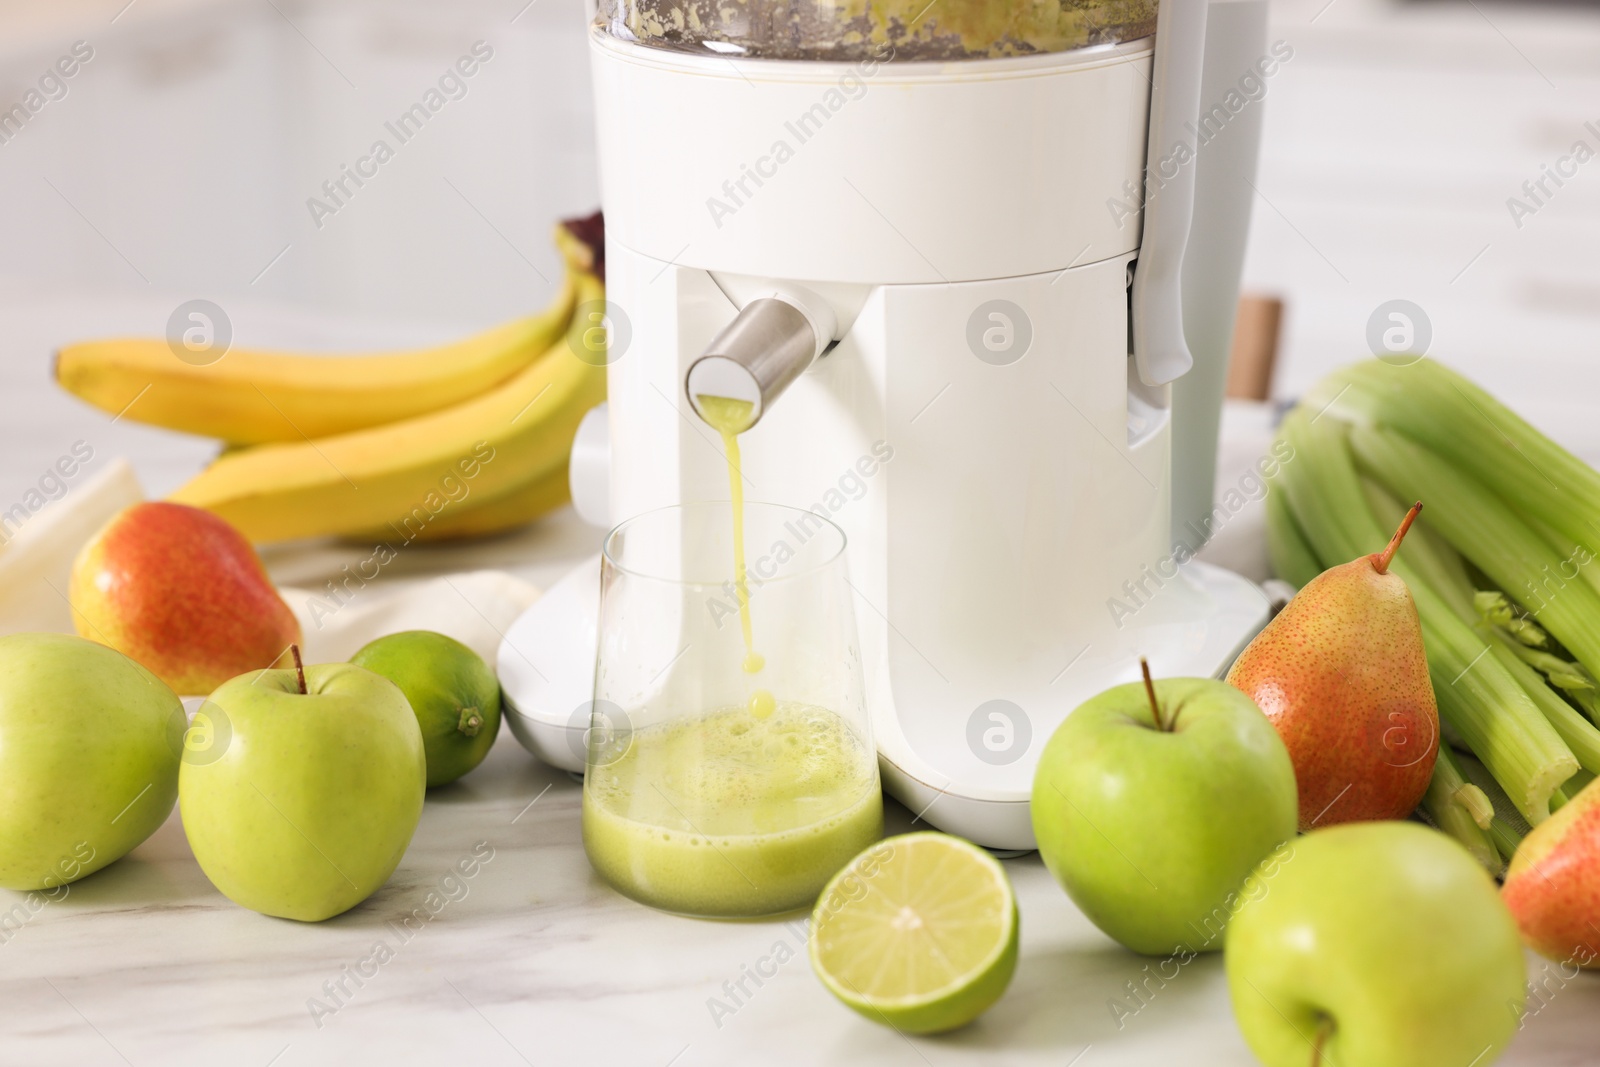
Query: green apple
point(1383, 944)
point(87, 767)
point(455, 696)
point(1153, 802)
point(305, 794)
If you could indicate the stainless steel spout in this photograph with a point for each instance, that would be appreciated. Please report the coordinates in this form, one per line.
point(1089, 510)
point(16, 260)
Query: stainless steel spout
point(767, 346)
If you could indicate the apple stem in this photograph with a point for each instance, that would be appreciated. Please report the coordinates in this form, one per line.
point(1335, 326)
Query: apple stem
point(1382, 560)
point(1150, 691)
point(1324, 1031)
point(299, 668)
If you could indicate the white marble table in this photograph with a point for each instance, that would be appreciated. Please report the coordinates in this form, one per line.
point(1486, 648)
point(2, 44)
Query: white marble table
point(534, 960)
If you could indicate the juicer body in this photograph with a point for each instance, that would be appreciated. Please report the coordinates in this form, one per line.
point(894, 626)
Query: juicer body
point(982, 428)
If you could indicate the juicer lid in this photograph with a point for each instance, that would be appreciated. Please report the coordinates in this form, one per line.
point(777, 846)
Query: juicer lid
point(875, 30)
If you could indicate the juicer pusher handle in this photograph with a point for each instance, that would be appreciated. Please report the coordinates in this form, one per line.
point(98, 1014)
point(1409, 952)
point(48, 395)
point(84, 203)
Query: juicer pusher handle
point(1160, 352)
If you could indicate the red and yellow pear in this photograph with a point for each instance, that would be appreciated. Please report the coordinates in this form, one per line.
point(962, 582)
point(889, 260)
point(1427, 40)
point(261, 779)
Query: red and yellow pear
point(182, 593)
point(1553, 884)
point(1342, 674)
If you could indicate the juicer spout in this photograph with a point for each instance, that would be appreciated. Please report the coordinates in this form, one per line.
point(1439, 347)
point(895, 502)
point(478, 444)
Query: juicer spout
point(769, 344)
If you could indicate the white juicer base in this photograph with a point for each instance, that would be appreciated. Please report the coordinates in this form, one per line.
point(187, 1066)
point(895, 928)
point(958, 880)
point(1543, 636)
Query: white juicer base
point(1219, 607)
point(546, 668)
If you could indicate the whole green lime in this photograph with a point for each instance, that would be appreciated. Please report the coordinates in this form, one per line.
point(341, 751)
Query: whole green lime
point(453, 693)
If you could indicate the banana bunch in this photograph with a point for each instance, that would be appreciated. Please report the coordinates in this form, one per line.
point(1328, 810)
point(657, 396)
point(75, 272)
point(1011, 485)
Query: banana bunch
point(463, 440)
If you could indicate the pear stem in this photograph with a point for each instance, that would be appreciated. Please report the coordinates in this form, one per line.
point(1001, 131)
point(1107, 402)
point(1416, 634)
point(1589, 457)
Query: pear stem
point(1150, 691)
point(299, 668)
point(1324, 1031)
point(1382, 560)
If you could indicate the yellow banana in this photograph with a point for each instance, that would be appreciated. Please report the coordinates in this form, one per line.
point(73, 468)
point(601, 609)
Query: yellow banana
point(534, 499)
point(253, 396)
point(410, 473)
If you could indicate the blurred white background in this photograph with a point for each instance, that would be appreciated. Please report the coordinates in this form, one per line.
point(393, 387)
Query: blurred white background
point(180, 160)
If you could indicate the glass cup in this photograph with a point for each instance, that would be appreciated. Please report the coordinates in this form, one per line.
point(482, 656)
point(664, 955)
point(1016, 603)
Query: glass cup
point(730, 773)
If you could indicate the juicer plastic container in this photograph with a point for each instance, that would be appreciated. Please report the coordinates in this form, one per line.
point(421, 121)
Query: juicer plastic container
point(856, 30)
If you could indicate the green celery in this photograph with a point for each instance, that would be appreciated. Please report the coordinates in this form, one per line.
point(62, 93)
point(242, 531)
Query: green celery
point(1505, 838)
point(1462, 810)
point(1568, 549)
point(1483, 528)
point(1441, 566)
point(1507, 828)
point(1292, 557)
point(1459, 421)
point(1579, 734)
point(1571, 678)
point(1494, 608)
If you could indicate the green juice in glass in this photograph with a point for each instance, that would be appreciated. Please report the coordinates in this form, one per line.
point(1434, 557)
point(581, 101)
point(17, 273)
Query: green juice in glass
point(730, 814)
point(743, 810)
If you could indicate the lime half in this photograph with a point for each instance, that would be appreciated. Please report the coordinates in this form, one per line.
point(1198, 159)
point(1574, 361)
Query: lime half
point(919, 932)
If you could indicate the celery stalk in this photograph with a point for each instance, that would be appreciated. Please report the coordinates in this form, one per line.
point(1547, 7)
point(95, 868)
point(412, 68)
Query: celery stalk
point(1477, 698)
point(1484, 530)
point(1568, 549)
point(1486, 707)
point(1507, 827)
point(1442, 568)
point(1440, 565)
point(1577, 732)
point(1475, 772)
point(1494, 607)
point(1292, 557)
point(1320, 486)
point(1505, 838)
point(1529, 643)
point(1474, 801)
point(1448, 414)
point(1462, 810)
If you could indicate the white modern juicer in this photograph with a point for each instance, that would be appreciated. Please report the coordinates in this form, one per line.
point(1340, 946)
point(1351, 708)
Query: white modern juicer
point(979, 336)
